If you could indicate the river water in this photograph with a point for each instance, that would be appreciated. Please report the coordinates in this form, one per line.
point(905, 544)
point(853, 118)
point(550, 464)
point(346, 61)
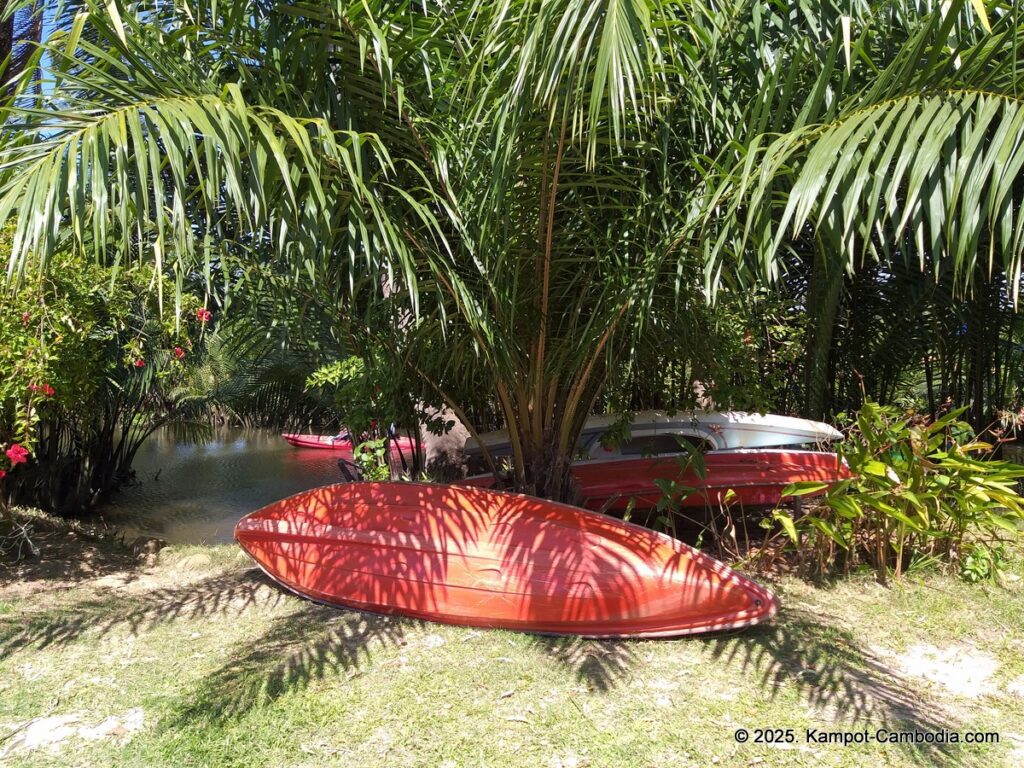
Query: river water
point(193, 494)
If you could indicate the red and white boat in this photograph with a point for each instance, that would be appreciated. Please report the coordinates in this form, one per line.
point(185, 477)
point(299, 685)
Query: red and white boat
point(322, 442)
point(343, 443)
point(488, 559)
point(753, 456)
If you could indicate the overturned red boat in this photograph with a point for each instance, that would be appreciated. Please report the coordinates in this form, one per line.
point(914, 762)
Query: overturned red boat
point(489, 559)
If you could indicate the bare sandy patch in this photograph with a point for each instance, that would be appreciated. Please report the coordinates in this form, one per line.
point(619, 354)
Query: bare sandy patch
point(54, 732)
point(1016, 686)
point(962, 670)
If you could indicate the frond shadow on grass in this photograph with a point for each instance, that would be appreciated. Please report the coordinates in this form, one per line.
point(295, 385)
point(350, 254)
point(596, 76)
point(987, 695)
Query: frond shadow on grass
point(818, 657)
point(115, 609)
point(846, 683)
point(319, 642)
point(315, 643)
point(63, 558)
point(821, 660)
point(601, 665)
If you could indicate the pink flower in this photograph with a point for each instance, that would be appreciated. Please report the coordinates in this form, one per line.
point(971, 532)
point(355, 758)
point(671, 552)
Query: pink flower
point(33, 387)
point(204, 315)
point(3, 473)
point(18, 454)
point(179, 353)
point(140, 363)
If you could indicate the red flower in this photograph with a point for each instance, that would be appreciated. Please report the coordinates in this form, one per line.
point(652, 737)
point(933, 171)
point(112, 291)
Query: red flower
point(18, 454)
point(204, 315)
point(140, 363)
point(25, 317)
point(3, 473)
point(179, 353)
point(48, 390)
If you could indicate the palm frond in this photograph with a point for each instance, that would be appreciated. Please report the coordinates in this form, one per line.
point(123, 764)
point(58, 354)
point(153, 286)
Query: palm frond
point(928, 155)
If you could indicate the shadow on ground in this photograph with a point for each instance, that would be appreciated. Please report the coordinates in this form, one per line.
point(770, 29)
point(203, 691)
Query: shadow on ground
point(808, 652)
point(315, 643)
point(845, 682)
point(113, 608)
point(60, 557)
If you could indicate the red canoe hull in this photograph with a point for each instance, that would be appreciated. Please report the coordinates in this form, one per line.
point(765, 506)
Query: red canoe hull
point(344, 446)
point(482, 558)
point(755, 478)
point(321, 442)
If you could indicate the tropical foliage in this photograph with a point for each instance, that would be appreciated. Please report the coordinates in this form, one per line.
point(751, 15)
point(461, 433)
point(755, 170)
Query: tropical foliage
point(527, 205)
point(88, 369)
point(923, 491)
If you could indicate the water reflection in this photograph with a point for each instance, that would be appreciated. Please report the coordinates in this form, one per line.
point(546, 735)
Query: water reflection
point(195, 493)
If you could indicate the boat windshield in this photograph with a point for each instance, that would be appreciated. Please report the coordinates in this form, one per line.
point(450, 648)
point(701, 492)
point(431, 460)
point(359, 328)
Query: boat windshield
point(654, 445)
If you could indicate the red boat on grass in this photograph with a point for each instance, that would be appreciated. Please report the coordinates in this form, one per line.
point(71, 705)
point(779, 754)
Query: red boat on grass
point(489, 559)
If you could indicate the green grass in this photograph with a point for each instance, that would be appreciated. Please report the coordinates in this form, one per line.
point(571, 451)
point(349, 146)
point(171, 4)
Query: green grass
point(231, 671)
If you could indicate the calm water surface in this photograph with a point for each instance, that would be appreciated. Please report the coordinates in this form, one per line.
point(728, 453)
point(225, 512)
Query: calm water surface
point(192, 494)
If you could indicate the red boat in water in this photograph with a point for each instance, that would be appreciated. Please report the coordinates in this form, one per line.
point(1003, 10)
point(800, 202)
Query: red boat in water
point(343, 443)
point(488, 559)
point(754, 478)
point(323, 442)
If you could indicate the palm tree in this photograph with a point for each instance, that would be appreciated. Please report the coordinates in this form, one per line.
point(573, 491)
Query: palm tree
point(512, 197)
point(913, 158)
point(21, 28)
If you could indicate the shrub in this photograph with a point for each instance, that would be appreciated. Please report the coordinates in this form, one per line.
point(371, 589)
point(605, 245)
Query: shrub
point(923, 491)
point(89, 367)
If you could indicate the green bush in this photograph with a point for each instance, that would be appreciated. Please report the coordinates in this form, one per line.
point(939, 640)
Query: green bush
point(922, 491)
point(89, 367)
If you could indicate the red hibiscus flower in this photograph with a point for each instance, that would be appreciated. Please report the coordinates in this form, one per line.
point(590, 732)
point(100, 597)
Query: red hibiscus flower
point(48, 390)
point(179, 353)
point(18, 454)
point(140, 363)
point(204, 315)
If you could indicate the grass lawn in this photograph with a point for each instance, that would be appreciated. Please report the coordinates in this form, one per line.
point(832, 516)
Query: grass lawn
point(195, 658)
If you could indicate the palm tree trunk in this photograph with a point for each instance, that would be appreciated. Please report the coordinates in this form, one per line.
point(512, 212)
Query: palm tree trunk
point(824, 298)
